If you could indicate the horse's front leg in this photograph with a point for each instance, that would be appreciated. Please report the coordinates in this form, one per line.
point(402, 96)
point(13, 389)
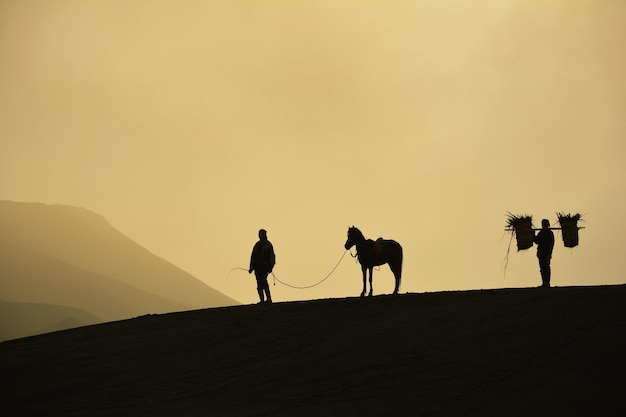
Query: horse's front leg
point(364, 270)
point(371, 288)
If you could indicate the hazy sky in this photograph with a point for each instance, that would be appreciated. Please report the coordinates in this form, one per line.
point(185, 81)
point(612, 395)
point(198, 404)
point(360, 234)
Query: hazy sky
point(190, 125)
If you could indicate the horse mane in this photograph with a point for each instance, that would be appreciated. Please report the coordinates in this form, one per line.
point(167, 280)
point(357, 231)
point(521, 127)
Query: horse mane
point(358, 232)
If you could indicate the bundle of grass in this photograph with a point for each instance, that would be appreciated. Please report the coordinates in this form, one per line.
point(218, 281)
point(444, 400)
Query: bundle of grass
point(522, 227)
point(569, 228)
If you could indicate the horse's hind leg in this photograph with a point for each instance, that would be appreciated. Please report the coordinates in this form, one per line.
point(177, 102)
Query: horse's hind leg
point(371, 288)
point(396, 268)
point(364, 270)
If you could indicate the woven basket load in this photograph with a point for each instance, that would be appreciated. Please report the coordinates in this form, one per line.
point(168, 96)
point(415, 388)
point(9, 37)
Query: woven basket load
point(524, 234)
point(569, 229)
point(522, 227)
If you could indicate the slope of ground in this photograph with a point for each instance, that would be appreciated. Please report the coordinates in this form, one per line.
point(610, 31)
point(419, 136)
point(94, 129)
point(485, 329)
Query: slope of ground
point(514, 352)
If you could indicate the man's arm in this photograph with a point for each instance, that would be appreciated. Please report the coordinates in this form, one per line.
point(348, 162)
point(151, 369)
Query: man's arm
point(272, 257)
point(252, 260)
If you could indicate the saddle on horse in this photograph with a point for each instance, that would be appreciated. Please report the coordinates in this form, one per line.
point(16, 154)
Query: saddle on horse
point(379, 246)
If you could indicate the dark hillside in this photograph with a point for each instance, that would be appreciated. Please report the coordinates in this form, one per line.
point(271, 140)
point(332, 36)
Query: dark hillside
point(514, 352)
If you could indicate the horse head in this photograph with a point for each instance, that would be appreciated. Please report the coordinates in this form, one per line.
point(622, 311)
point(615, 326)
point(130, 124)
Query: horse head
point(354, 236)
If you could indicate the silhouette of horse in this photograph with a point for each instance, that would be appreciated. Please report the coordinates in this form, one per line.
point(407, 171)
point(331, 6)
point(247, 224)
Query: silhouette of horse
point(373, 253)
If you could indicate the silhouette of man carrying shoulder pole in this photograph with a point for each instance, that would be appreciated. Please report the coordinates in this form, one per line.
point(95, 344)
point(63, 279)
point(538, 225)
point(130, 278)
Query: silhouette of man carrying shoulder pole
point(262, 262)
point(545, 243)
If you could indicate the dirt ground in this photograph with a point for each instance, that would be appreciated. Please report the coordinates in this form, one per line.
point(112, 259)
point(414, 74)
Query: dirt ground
point(514, 352)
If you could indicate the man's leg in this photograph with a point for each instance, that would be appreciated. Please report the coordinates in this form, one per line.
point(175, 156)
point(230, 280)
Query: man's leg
point(268, 296)
point(259, 284)
point(544, 266)
point(264, 287)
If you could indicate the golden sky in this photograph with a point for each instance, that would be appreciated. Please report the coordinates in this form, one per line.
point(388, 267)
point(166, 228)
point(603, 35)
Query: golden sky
point(190, 125)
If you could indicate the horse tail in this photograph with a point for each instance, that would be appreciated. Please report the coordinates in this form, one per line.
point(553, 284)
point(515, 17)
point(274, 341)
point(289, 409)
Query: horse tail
point(395, 263)
point(400, 266)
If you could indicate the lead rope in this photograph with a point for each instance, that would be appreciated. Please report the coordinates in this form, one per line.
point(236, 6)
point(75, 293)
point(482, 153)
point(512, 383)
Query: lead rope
point(297, 287)
point(317, 283)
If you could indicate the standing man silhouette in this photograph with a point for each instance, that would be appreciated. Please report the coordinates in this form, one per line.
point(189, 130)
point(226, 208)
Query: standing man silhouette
point(545, 244)
point(262, 262)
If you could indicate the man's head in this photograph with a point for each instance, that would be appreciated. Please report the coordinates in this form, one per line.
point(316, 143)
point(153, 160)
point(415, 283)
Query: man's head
point(263, 234)
point(545, 224)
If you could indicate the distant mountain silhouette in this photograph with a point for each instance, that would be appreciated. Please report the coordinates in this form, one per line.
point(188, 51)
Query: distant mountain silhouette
point(69, 256)
point(25, 319)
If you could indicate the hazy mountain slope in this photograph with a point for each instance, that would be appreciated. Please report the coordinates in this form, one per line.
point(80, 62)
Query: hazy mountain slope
point(29, 276)
point(512, 352)
point(25, 319)
point(86, 240)
point(67, 256)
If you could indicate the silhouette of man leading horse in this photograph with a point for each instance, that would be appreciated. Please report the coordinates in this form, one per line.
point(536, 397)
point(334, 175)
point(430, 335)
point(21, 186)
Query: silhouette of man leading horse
point(262, 262)
point(374, 253)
